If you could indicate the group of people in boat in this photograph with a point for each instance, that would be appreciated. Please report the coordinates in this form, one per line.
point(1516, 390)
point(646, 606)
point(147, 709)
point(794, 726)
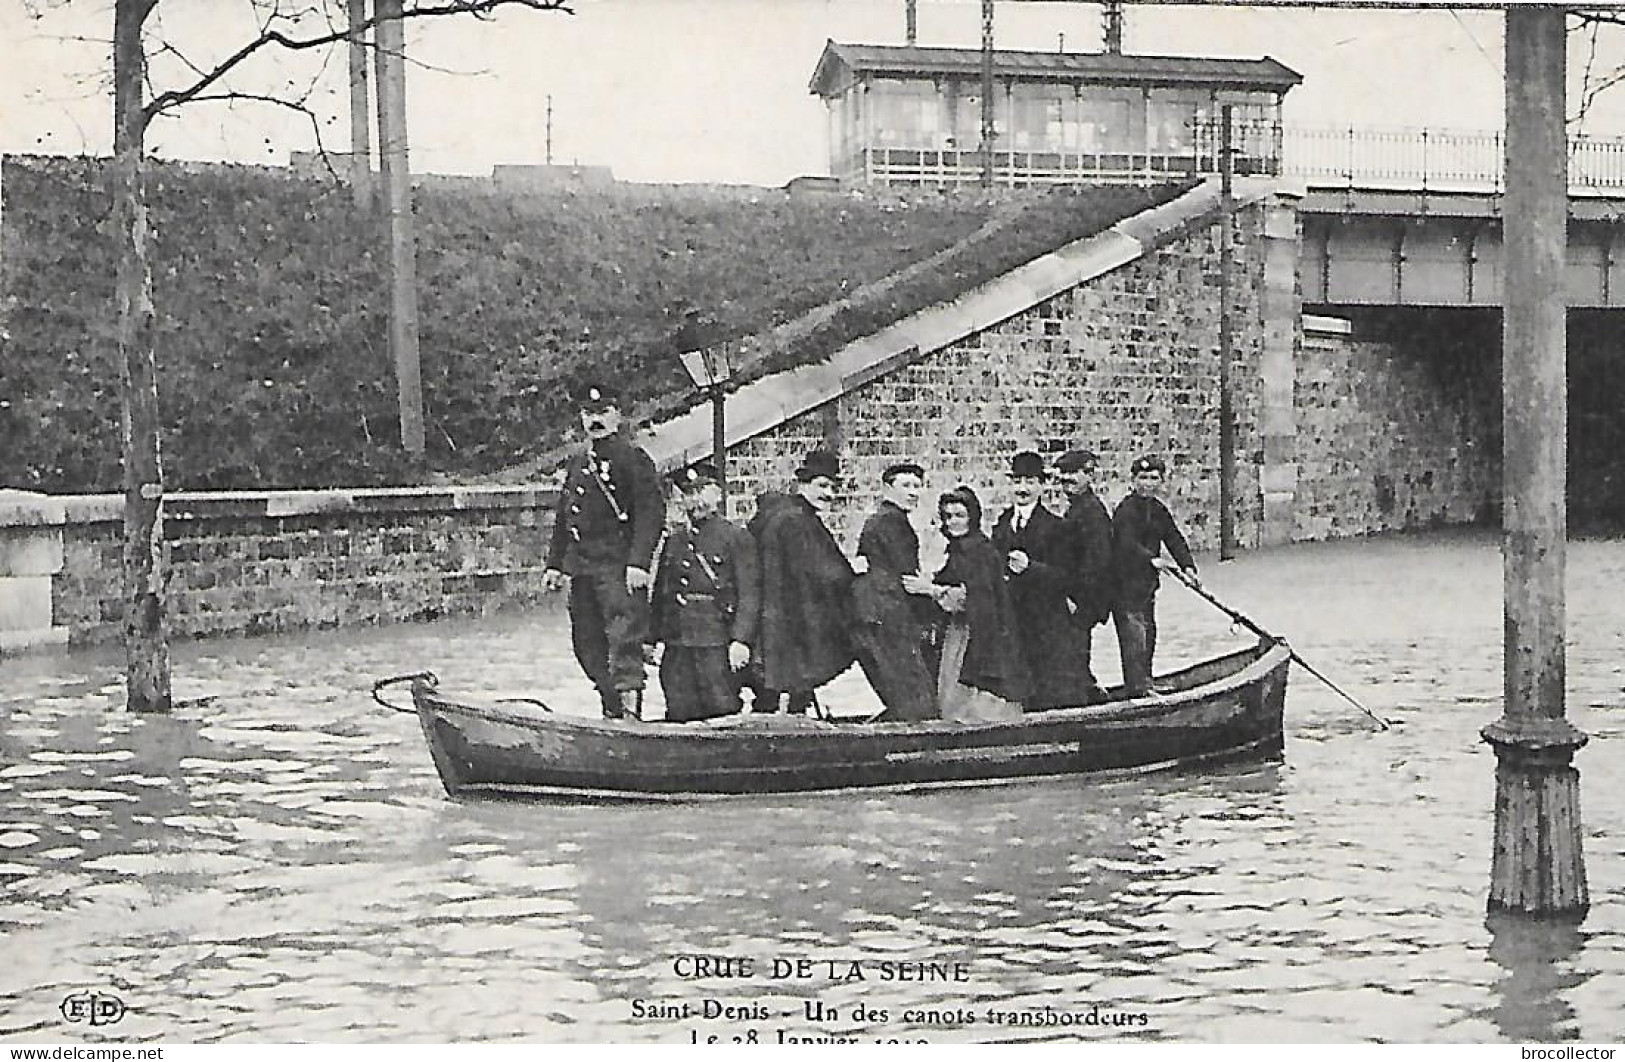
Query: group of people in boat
point(777, 608)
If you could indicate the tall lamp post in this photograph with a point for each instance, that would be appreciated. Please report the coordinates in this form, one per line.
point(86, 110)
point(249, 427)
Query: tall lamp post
point(710, 368)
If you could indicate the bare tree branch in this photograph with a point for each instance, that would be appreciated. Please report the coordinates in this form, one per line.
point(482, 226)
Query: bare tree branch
point(269, 36)
point(297, 105)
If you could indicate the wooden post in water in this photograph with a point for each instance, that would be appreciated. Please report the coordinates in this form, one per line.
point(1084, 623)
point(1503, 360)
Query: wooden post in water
point(1538, 868)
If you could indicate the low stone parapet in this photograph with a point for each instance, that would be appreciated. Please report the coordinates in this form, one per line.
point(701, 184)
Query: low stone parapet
point(251, 562)
point(31, 531)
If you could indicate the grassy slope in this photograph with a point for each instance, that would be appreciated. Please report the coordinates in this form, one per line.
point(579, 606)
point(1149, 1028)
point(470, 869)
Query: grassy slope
point(272, 317)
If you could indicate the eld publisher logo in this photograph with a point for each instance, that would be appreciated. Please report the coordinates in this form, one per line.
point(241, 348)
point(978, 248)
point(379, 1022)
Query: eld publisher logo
point(96, 1008)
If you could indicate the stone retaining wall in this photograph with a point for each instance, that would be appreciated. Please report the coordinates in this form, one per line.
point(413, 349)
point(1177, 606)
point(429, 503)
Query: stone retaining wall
point(1123, 364)
point(1394, 435)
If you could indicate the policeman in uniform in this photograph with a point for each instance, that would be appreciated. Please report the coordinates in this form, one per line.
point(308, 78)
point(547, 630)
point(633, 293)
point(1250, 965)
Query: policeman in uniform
point(609, 519)
point(707, 601)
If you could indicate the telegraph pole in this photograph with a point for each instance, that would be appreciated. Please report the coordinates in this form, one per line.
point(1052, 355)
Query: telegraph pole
point(396, 172)
point(1227, 406)
point(360, 109)
point(1111, 24)
point(1537, 867)
point(987, 94)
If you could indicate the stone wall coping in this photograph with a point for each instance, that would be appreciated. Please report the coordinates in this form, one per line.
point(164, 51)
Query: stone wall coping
point(1317, 324)
point(270, 505)
point(764, 404)
point(21, 508)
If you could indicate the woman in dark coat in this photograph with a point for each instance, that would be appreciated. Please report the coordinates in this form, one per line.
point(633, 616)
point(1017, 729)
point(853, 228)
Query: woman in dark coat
point(983, 674)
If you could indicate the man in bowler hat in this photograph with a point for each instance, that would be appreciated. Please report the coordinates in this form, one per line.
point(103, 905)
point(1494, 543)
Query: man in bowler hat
point(606, 528)
point(1032, 540)
point(706, 603)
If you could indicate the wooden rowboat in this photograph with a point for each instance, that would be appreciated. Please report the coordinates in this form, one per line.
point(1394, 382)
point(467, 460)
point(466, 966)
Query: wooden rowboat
point(1226, 708)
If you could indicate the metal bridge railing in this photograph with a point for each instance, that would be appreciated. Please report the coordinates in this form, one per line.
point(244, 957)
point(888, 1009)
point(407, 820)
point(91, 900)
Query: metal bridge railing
point(1433, 160)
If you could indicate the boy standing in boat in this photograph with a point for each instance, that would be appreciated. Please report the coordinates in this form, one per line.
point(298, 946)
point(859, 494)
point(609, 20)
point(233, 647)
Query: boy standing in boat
point(608, 522)
point(706, 603)
point(1141, 527)
point(1086, 559)
point(1030, 538)
point(889, 601)
point(806, 586)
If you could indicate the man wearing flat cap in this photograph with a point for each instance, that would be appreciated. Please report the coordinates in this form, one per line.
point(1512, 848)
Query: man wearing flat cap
point(806, 589)
point(706, 603)
point(891, 602)
point(608, 523)
point(1031, 538)
point(1141, 527)
point(1086, 555)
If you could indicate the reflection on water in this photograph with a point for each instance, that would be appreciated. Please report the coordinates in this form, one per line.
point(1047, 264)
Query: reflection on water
point(276, 861)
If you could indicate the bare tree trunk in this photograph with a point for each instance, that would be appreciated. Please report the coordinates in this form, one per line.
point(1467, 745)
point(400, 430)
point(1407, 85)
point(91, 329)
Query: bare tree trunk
point(396, 173)
point(360, 110)
point(146, 641)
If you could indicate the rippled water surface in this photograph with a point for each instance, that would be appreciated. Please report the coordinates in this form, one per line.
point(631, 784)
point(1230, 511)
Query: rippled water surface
point(277, 861)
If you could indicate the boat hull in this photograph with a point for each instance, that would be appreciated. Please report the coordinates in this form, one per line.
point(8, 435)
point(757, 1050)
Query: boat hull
point(1221, 709)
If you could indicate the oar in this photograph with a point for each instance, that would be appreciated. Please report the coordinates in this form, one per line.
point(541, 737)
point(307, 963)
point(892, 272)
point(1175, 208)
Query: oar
point(1251, 625)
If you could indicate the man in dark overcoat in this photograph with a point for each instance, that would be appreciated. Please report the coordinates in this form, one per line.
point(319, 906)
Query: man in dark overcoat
point(1086, 554)
point(1141, 527)
point(806, 588)
point(1031, 539)
point(706, 603)
point(608, 522)
point(891, 605)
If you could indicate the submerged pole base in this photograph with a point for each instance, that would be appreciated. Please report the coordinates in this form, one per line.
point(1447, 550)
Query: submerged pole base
point(1538, 868)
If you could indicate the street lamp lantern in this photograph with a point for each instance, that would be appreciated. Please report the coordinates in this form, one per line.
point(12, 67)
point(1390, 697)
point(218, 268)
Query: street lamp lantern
point(709, 364)
point(709, 367)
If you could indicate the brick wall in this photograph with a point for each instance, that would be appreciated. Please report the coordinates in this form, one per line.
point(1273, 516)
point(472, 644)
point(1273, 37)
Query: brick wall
point(1123, 365)
point(1395, 434)
point(260, 562)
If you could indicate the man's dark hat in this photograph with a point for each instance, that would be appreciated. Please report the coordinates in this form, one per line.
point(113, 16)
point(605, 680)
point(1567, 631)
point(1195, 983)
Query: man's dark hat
point(1149, 463)
point(819, 463)
point(899, 468)
point(695, 476)
point(594, 397)
point(1027, 465)
point(1074, 460)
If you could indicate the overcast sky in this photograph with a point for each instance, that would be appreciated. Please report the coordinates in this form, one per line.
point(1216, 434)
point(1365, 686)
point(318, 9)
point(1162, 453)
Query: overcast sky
point(716, 90)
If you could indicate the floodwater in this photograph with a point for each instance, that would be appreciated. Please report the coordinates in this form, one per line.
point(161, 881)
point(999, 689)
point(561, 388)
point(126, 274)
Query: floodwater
point(276, 860)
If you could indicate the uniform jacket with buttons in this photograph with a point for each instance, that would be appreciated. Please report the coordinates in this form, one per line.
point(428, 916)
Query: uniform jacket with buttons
point(610, 512)
point(708, 589)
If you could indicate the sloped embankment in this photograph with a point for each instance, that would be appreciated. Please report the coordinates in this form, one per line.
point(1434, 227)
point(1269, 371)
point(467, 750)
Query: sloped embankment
point(274, 370)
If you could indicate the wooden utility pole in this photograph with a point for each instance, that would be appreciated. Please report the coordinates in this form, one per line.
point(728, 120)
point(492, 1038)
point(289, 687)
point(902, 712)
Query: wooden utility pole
point(146, 638)
point(988, 127)
point(360, 108)
point(1538, 867)
point(1227, 405)
point(1111, 26)
point(397, 179)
